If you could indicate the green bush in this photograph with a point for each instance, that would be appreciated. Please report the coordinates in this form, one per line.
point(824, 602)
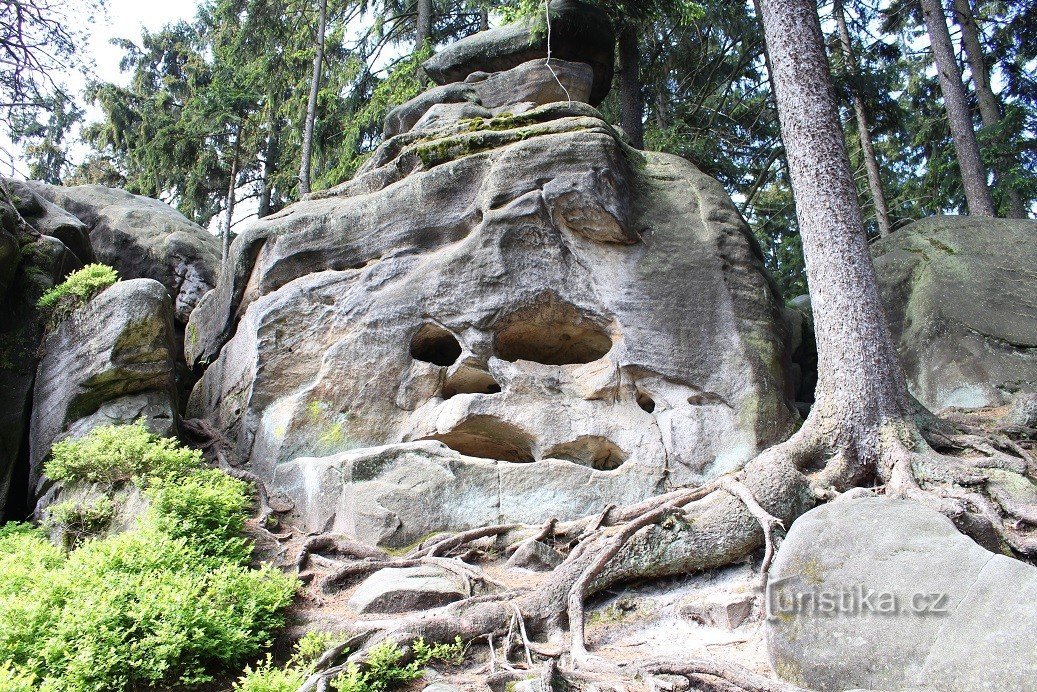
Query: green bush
point(207, 508)
point(385, 670)
point(170, 603)
point(77, 290)
point(114, 454)
point(266, 677)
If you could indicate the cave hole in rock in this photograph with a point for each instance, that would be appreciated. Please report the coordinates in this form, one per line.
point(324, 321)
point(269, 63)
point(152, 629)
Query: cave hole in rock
point(433, 344)
point(489, 437)
point(469, 379)
point(590, 450)
point(645, 401)
point(551, 333)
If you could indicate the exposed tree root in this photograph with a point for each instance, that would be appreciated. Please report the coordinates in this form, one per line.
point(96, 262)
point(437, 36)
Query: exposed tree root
point(737, 675)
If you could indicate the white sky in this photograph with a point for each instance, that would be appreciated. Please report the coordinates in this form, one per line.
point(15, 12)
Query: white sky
point(123, 19)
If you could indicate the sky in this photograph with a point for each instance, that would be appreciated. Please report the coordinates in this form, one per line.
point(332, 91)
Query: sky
point(122, 19)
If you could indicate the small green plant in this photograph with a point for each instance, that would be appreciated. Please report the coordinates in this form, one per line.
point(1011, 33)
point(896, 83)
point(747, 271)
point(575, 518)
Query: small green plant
point(77, 290)
point(114, 454)
point(385, 670)
point(267, 677)
point(78, 521)
point(16, 679)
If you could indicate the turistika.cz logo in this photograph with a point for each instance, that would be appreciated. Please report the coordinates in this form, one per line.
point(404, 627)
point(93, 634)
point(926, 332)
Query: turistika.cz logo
point(793, 596)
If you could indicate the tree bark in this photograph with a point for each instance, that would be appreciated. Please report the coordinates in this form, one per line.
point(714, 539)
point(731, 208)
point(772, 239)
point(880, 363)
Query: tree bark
point(232, 186)
point(424, 25)
point(863, 127)
point(484, 19)
point(861, 386)
point(989, 103)
point(273, 146)
point(973, 174)
point(632, 105)
point(311, 105)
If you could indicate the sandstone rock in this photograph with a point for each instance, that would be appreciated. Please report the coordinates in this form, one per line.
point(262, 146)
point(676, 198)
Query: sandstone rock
point(483, 95)
point(51, 220)
point(718, 608)
point(402, 589)
point(112, 359)
point(143, 238)
point(580, 33)
point(945, 613)
point(496, 287)
point(10, 256)
point(965, 322)
point(441, 687)
point(535, 556)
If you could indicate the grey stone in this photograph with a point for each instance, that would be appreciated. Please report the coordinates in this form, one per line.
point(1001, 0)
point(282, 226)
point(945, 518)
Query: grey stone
point(496, 288)
point(403, 589)
point(441, 687)
point(960, 617)
point(535, 556)
point(580, 33)
point(143, 238)
point(531, 84)
point(718, 608)
point(111, 358)
point(49, 219)
point(966, 323)
point(10, 257)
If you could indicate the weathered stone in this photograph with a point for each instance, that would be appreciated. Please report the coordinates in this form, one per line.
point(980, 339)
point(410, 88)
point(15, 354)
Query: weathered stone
point(945, 613)
point(718, 608)
point(580, 33)
point(49, 219)
point(10, 256)
point(535, 556)
point(143, 238)
point(528, 85)
point(402, 589)
point(111, 358)
point(494, 286)
point(966, 323)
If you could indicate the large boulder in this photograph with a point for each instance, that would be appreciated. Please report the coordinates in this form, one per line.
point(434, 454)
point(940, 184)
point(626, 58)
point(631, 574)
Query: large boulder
point(401, 589)
point(580, 32)
point(961, 309)
point(522, 315)
point(143, 238)
point(881, 594)
point(110, 362)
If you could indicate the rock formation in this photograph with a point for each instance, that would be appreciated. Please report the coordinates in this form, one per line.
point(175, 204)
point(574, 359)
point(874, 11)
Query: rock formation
point(508, 314)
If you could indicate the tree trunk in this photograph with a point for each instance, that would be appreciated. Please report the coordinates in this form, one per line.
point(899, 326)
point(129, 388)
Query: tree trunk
point(861, 386)
point(311, 105)
point(424, 25)
point(632, 105)
point(273, 146)
point(863, 127)
point(973, 174)
point(232, 186)
point(484, 19)
point(989, 104)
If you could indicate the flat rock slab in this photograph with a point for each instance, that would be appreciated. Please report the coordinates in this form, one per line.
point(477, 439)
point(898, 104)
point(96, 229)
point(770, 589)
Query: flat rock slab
point(885, 594)
point(399, 590)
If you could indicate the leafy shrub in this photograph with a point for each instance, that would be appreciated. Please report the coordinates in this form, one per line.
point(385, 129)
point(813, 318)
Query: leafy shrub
point(77, 290)
point(168, 603)
point(80, 520)
point(208, 509)
point(385, 670)
point(114, 454)
point(16, 679)
point(266, 677)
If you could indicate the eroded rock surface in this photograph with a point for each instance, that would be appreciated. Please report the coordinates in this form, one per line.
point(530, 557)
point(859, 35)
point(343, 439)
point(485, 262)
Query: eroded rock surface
point(964, 312)
point(526, 318)
point(110, 362)
point(943, 614)
point(142, 238)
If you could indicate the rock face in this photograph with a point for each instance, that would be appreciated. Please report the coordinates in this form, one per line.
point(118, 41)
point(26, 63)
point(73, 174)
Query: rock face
point(110, 362)
point(965, 321)
point(943, 614)
point(522, 316)
point(142, 238)
point(580, 33)
point(398, 590)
